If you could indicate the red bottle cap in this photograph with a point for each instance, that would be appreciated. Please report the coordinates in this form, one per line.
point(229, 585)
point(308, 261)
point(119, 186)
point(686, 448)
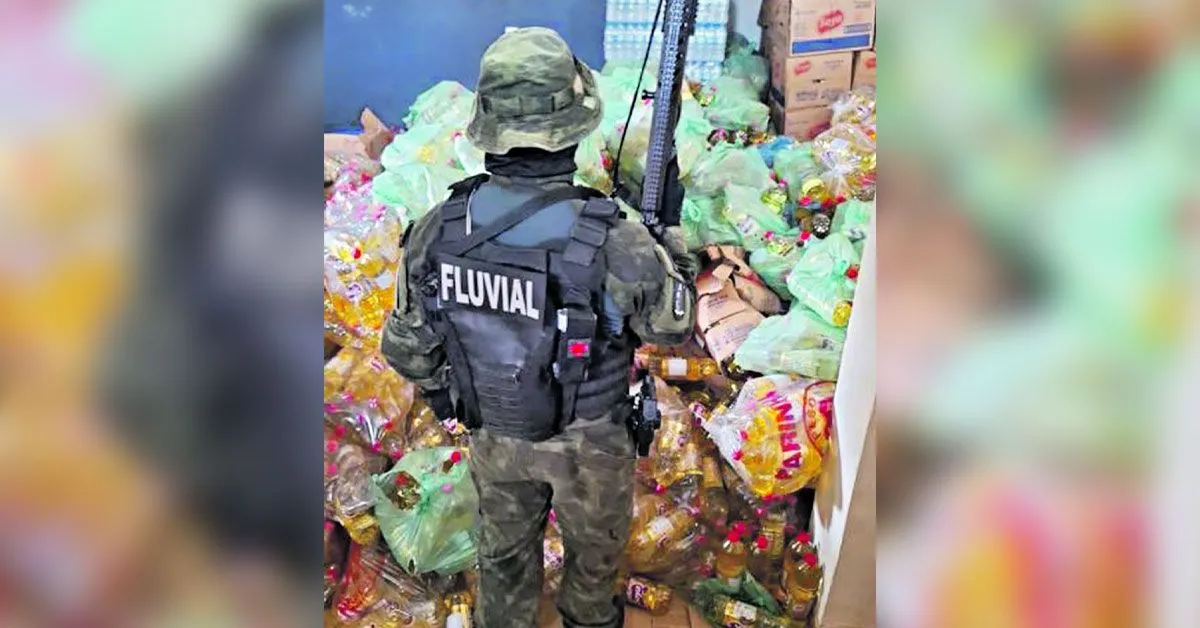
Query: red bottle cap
point(761, 542)
point(733, 536)
point(810, 559)
point(852, 272)
point(804, 537)
point(456, 457)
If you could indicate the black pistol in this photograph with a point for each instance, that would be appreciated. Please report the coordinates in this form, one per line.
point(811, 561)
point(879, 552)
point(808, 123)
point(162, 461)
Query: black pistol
point(646, 418)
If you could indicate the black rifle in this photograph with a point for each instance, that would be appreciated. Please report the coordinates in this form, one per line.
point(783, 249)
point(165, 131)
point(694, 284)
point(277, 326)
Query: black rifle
point(661, 192)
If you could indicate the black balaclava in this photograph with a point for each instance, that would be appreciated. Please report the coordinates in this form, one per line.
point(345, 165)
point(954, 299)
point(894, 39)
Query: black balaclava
point(531, 162)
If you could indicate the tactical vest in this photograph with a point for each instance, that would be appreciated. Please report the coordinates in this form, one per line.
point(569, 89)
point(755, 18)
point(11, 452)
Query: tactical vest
point(520, 324)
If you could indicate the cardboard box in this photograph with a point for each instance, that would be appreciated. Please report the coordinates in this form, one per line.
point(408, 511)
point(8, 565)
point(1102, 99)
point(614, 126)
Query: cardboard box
point(864, 68)
point(801, 124)
point(803, 27)
point(723, 317)
point(811, 81)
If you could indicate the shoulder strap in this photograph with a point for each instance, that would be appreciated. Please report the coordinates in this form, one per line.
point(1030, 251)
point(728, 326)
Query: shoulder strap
point(454, 210)
point(512, 218)
point(590, 231)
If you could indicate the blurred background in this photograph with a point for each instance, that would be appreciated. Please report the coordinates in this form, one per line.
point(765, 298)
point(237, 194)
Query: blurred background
point(159, 210)
point(1037, 312)
point(1038, 347)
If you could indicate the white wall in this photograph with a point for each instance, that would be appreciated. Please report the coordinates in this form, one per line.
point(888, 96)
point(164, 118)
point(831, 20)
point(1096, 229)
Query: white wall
point(744, 18)
point(844, 512)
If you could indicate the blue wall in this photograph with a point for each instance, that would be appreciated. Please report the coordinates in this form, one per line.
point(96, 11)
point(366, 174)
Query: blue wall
point(383, 53)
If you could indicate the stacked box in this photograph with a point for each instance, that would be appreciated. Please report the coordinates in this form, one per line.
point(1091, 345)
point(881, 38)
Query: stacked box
point(864, 69)
point(810, 45)
point(628, 26)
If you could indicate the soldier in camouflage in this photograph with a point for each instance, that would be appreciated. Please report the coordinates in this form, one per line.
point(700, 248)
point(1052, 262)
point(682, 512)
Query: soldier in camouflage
point(519, 303)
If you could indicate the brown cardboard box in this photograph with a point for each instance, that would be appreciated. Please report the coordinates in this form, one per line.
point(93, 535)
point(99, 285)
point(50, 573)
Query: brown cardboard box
point(864, 68)
point(803, 27)
point(801, 124)
point(370, 143)
point(723, 318)
point(811, 81)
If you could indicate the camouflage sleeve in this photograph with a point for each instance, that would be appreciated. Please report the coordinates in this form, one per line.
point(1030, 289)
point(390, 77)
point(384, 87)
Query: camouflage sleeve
point(654, 286)
point(409, 344)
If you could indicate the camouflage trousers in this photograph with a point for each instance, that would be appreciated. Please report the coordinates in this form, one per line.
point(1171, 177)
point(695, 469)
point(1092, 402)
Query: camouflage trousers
point(586, 474)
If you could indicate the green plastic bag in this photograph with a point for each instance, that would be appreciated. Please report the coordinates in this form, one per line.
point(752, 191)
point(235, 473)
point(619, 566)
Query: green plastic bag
point(726, 164)
point(736, 105)
point(427, 144)
point(691, 136)
point(702, 223)
point(747, 590)
point(448, 102)
point(757, 223)
point(591, 158)
point(774, 268)
point(434, 534)
point(795, 164)
point(744, 64)
point(852, 219)
point(796, 343)
point(819, 282)
point(415, 188)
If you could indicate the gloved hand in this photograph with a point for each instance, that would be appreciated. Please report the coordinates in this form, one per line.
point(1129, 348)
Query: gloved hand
point(687, 264)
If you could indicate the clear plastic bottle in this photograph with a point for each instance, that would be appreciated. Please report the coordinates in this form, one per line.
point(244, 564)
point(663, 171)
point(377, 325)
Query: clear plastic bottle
point(801, 578)
point(732, 559)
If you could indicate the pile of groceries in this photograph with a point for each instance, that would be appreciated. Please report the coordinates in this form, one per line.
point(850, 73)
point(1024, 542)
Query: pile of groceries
point(747, 406)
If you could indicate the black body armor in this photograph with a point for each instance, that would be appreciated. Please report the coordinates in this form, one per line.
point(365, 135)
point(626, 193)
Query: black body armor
point(520, 324)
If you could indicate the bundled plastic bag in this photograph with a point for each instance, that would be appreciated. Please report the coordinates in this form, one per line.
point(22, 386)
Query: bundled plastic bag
point(361, 254)
point(743, 63)
point(703, 224)
point(736, 105)
point(848, 155)
point(691, 136)
point(774, 268)
point(856, 107)
point(776, 433)
point(446, 102)
point(756, 222)
point(726, 164)
point(825, 277)
point(675, 452)
point(853, 219)
point(428, 144)
point(592, 163)
point(376, 593)
point(426, 507)
point(795, 166)
point(415, 188)
point(797, 343)
point(770, 149)
point(747, 591)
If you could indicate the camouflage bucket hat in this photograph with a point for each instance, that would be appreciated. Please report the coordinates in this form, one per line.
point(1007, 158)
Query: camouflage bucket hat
point(532, 93)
